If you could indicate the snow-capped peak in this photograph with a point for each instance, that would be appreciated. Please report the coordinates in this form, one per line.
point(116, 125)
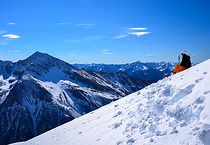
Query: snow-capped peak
point(174, 110)
point(43, 92)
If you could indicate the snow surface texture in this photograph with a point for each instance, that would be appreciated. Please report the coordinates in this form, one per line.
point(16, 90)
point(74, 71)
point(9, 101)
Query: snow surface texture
point(173, 111)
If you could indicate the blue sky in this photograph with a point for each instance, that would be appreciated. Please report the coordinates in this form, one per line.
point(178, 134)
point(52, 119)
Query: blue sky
point(105, 31)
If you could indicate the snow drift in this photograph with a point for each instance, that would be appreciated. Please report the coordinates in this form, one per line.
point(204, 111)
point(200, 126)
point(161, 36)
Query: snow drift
point(174, 110)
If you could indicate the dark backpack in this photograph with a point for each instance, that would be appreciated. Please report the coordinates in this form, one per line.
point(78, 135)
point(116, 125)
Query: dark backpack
point(186, 61)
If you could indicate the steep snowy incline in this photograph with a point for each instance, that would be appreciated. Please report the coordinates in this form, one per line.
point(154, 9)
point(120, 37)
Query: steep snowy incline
point(174, 111)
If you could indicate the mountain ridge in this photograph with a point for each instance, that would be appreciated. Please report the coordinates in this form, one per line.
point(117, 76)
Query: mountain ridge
point(42, 92)
point(149, 71)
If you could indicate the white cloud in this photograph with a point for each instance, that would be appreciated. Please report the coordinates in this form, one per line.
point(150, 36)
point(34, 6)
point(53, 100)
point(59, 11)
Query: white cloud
point(120, 36)
point(66, 23)
point(194, 54)
point(85, 24)
point(132, 31)
point(139, 33)
point(151, 55)
point(11, 36)
point(137, 29)
point(61, 23)
point(4, 40)
point(107, 53)
point(88, 26)
point(17, 50)
point(14, 50)
point(10, 23)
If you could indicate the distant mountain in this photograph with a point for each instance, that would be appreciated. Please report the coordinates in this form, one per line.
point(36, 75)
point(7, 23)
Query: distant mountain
point(150, 71)
point(42, 92)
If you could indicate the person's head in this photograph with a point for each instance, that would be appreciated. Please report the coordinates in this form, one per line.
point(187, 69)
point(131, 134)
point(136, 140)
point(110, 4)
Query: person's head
point(184, 53)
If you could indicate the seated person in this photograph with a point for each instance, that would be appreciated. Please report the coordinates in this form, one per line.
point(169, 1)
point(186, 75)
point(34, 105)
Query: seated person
point(185, 64)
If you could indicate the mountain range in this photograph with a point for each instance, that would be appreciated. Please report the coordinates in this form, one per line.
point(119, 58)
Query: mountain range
point(42, 92)
point(149, 71)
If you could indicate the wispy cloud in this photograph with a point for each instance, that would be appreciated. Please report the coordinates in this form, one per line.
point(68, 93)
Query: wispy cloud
point(10, 23)
point(66, 23)
point(12, 36)
point(14, 51)
point(120, 36)
point(85, 24)
point(17, 50)
point(194, 54)
point(139, 33)
point(132, 31)
point(105, 51)
point(151, 55)
point(6, 38)
point(137, 29)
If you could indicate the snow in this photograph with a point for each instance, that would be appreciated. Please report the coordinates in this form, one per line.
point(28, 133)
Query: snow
point(54, 75)
point(174, 110)
point(34, 106)
point(5, 86)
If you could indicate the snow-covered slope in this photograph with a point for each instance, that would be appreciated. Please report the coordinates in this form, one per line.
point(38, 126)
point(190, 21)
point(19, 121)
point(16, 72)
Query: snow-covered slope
point(173, 111)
